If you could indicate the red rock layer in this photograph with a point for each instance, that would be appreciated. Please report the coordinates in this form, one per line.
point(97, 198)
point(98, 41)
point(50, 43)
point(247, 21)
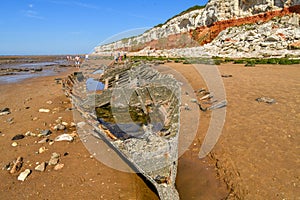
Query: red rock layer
point(203, 34)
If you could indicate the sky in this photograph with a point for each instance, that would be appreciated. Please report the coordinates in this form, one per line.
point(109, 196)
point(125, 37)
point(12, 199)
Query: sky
point(44, 27)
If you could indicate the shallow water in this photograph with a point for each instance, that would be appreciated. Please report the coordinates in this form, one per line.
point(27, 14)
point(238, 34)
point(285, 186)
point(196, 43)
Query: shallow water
point(48, 69)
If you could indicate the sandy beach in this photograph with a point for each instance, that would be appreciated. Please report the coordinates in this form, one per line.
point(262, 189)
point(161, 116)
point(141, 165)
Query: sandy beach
point(256, 156)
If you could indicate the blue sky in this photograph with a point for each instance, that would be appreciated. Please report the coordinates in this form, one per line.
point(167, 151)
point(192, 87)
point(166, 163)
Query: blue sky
point(30, 27)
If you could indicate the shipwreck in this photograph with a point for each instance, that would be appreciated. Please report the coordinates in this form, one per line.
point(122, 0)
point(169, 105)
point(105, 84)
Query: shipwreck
point(136, 110)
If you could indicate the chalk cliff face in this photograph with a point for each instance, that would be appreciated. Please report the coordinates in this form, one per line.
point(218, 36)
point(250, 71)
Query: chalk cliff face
point(202, 26)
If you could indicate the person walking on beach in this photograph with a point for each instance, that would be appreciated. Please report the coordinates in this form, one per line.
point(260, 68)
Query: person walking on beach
point(77, 61)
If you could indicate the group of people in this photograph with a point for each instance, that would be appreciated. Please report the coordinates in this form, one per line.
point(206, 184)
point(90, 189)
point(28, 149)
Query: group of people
point(119, 57)
point(77, 60)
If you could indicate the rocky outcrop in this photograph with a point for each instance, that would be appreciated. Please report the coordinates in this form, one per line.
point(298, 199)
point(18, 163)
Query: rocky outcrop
point(203, 26)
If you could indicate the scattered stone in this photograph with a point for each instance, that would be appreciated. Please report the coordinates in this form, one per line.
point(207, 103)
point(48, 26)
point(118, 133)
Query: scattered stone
point(51, 142)
point(59, 127)
point(266, 100)
point(14, 144)
point(74, 134)
point(194, 100)
point(58, 166)
point(45, 132)
point(49, 102)
point(66, 153)
point(65, 123)
point(7, 166)
point(208, 96)
point(42, 110)
point(27, 107)
point(41, 167)
point(24, 175)
point(4, 111)
point(10, 120)
point(54, 159)
point(17, 165)
point(64, 137)
point(59, 120)
point(18, 137)
point(35, 119)
point(42, 150)
point(72, 124)
point(29, 133)
point(43, 141)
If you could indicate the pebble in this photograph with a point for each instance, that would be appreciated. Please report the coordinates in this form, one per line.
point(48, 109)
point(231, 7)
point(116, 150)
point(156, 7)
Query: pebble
point(42, 149)
point(194, 100)
point(41, 167)
point(24, 175)
point(45, 140)
point(64, 137)
point(54, 159)
point(59, 166)
point(4, 111)
point(59, 120)
point(49, 102)
point(43, 110)
point(29, 133)
point(10, 120)
point(65, 123)
point(14, 144)
point(45, 132)
point(59, 127)
point(18, 137)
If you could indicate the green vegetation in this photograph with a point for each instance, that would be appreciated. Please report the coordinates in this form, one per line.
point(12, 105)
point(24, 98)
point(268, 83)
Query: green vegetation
point(271, 61)
point(248, 62)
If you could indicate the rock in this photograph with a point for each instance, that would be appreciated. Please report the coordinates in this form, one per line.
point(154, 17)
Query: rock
point(45, 132)
point(193, 100)
point(4, 111)
point(266, 100)
point(43, 110)
point(49, 102)
point(43, 141)
point(17, 165)
point(58, 167)
point(41, 167)
point(59, 127)
point(10, 120)
point(35, 118)
point(24, 175)
point(14, 144)
point(42, 150)
point(273, 38)
point(73, 124)
point(65, 123)
point(7, 166)
point(18, 137)
point(59, 120)
point(29, 133)
point(54, 159)
point(64, 137)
